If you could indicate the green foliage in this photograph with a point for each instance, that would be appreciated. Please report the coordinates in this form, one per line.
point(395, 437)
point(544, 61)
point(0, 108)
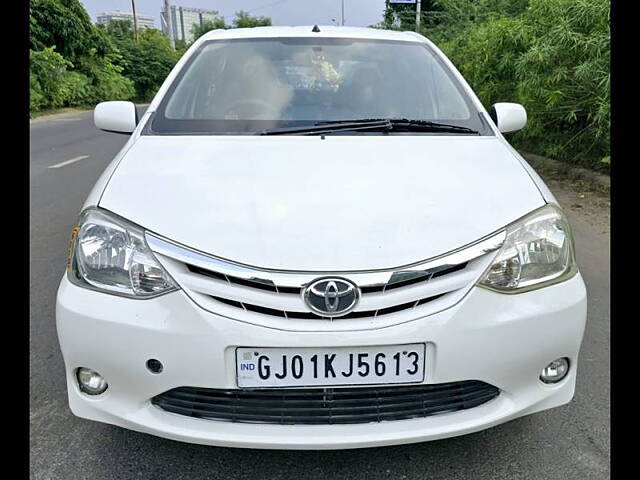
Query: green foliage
point(108, 81)
point(550, 55)
point(207, 26)
point(72, 61)
point(66, 25)
point(398, 16)
point(147, 62)
point(487, 55)
point(119, 31)
point(53, 84)
point(181, 47)
point(244, 20)
point(563, 78)
point(553, 57)
point(48, 88)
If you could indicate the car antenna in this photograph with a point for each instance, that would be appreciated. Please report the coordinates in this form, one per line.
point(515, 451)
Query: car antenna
point(315, 29)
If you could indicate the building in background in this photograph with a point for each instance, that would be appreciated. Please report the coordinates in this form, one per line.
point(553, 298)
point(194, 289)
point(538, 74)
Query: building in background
point(182, 20)
point(144, 21)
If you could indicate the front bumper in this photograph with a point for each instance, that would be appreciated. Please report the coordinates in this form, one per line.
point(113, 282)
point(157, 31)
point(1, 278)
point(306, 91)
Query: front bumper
point(503, 340)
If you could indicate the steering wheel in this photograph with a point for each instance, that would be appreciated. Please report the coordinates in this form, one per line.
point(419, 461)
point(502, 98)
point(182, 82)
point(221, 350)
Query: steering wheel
point(266, 110)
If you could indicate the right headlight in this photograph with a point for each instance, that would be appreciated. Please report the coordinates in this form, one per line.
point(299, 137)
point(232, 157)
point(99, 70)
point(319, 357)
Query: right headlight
point(109, 254)
point(537, 251)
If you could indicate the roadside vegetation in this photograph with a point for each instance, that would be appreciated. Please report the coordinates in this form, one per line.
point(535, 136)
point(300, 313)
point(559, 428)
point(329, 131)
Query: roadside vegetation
point(75, 63)
point(550, 55)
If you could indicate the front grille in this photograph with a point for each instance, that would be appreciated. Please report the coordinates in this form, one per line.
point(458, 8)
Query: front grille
point(414, 279)
point(325, 406)
point(369, 289)
point(274, 297)
point(239, 281)
point(289, 314)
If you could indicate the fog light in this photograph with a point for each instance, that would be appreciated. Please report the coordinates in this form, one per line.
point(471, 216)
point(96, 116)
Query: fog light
point(90, 381)
point(555, 371)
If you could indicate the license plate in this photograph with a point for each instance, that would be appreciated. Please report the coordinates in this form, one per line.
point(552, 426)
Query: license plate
point(305, 367)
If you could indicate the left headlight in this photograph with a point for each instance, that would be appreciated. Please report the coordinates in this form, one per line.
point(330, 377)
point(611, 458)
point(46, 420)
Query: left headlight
point(111, 255)
point(537, 251)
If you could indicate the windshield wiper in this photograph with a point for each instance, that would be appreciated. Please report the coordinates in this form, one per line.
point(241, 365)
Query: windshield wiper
point(319, 128)
point(385, 124)
point(407, 125)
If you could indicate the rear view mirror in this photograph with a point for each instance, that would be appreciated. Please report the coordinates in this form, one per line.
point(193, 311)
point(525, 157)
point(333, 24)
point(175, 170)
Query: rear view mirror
point(118, 116)
point(509, 117)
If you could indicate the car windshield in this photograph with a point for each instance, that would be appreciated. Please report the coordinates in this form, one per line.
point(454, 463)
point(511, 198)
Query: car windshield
point(248, 85)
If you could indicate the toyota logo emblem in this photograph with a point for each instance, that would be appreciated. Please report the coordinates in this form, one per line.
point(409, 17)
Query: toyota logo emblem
point(331, 297)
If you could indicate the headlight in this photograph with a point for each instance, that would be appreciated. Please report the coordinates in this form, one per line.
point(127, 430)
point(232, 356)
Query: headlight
point(111, 255)
point(537, 251)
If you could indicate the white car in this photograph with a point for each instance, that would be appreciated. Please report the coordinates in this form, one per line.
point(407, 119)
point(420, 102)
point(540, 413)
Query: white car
point(318, 238)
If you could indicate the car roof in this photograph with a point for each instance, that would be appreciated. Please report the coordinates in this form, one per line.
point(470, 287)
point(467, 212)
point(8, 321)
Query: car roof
point(327, 31)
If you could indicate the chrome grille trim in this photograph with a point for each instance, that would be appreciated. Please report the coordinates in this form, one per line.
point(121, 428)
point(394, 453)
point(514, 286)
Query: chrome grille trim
point(372, 279)
point(275, 298)
point(310, 315)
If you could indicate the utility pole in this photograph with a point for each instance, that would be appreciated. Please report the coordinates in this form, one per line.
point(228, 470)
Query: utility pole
point(418, 11)
point(343, 13)
point(167, 15)
point(135, 21)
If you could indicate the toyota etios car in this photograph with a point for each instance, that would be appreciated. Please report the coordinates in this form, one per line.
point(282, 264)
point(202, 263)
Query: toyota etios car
point(318, 238)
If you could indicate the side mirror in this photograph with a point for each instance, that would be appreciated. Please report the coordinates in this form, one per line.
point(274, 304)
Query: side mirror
point(509, 117)
point(119, 117)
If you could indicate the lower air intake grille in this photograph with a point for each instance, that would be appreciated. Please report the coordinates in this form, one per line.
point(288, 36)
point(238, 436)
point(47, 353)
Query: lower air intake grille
point(323, 406)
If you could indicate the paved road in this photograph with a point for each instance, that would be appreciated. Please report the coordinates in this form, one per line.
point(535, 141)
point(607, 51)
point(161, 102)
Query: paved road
point(570, 442)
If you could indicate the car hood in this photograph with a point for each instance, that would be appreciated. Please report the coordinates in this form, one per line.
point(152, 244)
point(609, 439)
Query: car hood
point(333, 204)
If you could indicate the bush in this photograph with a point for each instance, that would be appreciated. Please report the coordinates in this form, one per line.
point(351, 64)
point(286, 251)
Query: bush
point(206, 26)
point(487, 56)
point(51, 84)
point(76, 63)
point(75, 88)
point(108, 82)
point(563, 79)
point(148, 62)
point(244, 20)
point(66, 25)
point(73, 63)
point(553, 57)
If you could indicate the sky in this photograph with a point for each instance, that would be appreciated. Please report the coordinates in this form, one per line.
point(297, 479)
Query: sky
point(359, 13)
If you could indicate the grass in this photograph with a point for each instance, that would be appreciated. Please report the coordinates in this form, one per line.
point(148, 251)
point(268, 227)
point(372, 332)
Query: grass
point(54, 111)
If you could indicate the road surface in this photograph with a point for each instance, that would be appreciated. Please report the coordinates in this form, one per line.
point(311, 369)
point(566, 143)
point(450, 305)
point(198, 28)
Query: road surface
point(571, 442)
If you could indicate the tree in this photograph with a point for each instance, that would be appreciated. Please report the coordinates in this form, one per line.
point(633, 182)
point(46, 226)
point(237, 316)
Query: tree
point(242, 20)
point(564, 78)
point(118, 30)
point(181, 46)
point(72, 61)
point(245, 20)
point(147, 62)
point(66, 25)
point(550, 55)
point(398, 16)
point(207, 26)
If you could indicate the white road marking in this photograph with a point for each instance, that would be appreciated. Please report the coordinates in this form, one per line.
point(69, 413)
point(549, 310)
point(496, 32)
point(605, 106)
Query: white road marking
point(68, 162)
